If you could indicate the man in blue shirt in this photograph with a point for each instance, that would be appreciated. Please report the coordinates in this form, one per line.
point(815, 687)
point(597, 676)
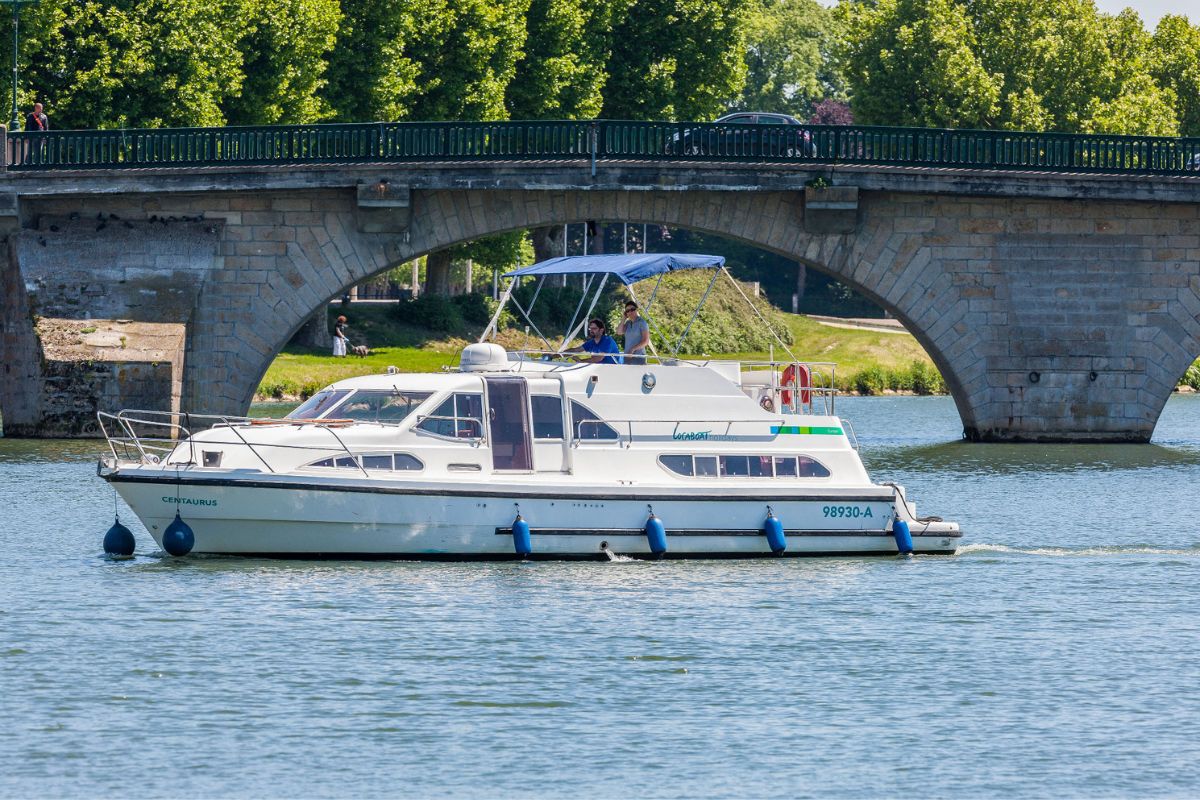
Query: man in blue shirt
point(598, 341)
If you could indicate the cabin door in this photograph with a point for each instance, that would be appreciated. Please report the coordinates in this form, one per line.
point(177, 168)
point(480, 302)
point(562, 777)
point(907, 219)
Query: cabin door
point(508, 423)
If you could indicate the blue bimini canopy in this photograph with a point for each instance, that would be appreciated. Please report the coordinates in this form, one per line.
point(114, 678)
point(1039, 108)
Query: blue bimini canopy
point(628, 268)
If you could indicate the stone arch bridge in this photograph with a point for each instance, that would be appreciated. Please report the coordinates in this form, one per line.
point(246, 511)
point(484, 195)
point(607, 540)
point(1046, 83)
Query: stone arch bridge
point(1059, 307)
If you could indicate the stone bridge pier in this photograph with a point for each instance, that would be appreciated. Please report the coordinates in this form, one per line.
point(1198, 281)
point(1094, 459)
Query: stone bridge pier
point(1056, 312)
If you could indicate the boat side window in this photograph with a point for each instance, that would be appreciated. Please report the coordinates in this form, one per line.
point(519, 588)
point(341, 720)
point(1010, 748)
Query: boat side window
point(402, 462)
point(406, 463)
point(745, 466)
point(811, 468)
point(680, 465)
point(377, 462)
point(391, 407)
point(785, 466)
point(589, 427)
point(458, 417)
point(319, 403)
point(547, 417)
point(760, 466)
point(734, 466)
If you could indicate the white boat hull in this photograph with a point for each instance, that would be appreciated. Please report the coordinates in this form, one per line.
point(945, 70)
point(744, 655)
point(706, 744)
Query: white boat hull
point(297, 517)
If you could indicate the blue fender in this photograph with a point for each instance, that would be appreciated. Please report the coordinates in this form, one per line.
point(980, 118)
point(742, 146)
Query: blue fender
point(178, 539)
point(656, 535)
point(522, 541)
point(119, 540)
point(773, 530)
point(903, 536)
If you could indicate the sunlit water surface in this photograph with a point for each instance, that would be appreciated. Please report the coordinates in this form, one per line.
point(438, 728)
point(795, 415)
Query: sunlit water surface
point(1056, 656)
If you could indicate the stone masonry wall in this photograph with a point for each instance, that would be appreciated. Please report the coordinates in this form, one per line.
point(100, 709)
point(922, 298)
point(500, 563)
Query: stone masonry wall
point(1050, 319)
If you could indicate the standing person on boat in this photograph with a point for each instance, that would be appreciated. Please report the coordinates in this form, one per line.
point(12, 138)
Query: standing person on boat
point(598, 341)
point(636, 332)
point(340, 340)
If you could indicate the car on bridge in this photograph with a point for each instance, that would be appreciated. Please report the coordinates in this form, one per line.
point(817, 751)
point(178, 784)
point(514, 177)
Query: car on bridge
point(747, 134)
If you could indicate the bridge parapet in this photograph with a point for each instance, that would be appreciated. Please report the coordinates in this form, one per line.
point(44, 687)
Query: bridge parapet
point(598, 141)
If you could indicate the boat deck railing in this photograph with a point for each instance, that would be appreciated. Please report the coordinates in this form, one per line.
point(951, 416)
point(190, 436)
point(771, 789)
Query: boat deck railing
point(791, 387)
point(150, 437)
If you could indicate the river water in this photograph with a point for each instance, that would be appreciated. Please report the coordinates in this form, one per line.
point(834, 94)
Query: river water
point(1056, 656)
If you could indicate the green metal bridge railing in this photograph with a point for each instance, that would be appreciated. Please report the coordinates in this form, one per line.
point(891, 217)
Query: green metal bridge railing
point(597, 141)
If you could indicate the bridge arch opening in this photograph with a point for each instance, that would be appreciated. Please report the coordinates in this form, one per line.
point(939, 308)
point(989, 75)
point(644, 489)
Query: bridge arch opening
point(828, 277)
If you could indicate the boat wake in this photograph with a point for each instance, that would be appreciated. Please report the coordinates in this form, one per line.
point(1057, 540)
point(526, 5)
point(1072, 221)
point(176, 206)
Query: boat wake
point(617, 558)
point(1114, 550)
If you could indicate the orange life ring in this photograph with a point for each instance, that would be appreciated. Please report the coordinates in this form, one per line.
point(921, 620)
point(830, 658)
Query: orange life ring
point(798, 376)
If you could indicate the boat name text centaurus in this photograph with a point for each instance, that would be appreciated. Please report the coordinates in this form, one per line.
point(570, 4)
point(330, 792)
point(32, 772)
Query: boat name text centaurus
point(189, 501)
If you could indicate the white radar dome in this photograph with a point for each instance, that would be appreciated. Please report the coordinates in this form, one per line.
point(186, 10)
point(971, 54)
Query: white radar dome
point(484, 357)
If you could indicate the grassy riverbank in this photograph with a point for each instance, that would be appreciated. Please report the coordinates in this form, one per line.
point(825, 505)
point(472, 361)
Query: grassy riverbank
point(868, 361)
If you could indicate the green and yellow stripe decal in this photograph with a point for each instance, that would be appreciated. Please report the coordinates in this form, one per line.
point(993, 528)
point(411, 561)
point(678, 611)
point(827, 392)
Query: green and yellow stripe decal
point(805, 430)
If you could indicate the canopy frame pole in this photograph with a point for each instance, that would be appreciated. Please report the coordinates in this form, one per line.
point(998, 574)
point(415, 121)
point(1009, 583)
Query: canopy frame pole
point(532, 324)
point(572, 328)
point(653, 293)
point(595, 299)
point(537, 290)
point(761, 318)
point(491, 326)
point(696, 313)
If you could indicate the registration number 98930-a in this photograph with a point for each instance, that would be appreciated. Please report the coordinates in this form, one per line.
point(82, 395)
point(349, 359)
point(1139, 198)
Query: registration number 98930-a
point(842, 512)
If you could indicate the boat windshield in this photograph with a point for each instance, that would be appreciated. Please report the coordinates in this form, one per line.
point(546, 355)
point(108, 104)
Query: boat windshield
point(390, 407)
point(319, 403)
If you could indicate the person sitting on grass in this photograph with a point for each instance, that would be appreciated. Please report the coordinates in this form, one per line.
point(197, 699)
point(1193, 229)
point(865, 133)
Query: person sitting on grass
point(598, 341)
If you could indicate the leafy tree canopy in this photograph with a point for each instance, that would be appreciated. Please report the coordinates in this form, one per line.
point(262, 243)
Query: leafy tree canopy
point(561, 73)
point(431, 61)
point(1016, 64)
point(788, 69)
point(675, 59)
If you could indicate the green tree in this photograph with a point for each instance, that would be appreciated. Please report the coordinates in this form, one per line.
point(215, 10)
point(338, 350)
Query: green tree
point(675, 59)
point(435, 60)
point(1052, 56)
point(1174, 61)
point(467, 52)
point(562, 71)
point(133, 63)
point(787, 64)
point(915, 62)
point(1018, 64)
point(370, 76)
point(285, 45)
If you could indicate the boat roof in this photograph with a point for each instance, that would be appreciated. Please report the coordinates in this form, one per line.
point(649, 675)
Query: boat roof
point(628, 267)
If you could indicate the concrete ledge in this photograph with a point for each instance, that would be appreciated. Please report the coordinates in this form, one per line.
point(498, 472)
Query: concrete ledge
point(628, 176)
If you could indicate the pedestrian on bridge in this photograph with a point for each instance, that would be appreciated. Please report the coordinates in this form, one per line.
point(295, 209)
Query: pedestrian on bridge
point(37, 120)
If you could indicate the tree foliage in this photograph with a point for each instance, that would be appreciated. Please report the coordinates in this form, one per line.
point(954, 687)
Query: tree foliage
point(284, 45)
point(1174, 61)
point(1017, 64)
point(434, 60)
point(788, 68)
point(137, 63)
point(561, 73)
point(675, 59)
